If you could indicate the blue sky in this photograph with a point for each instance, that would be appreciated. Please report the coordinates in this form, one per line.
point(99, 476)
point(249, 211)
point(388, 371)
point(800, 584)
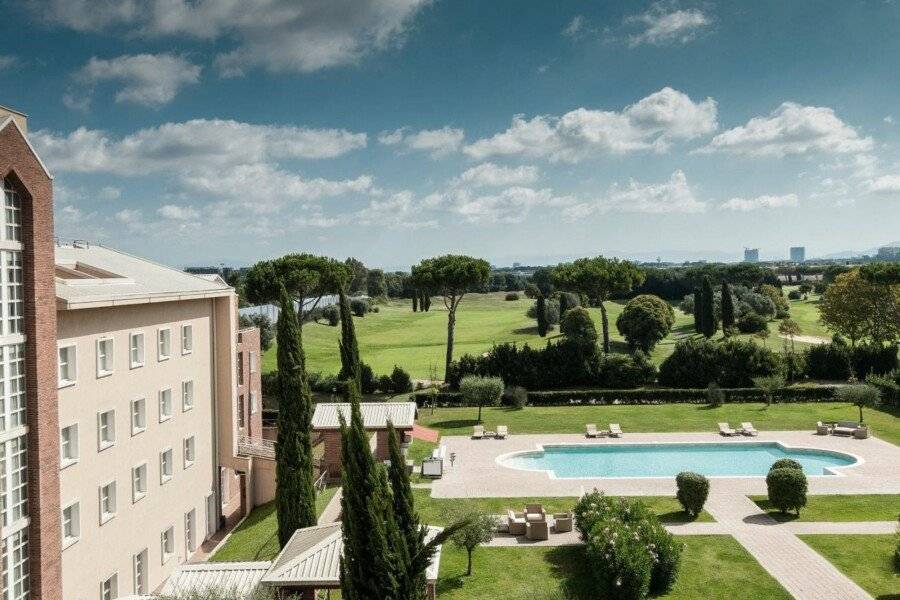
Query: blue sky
point(226, 131)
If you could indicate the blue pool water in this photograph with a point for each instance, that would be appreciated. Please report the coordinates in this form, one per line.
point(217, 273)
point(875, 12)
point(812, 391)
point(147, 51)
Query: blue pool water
point(667, 460)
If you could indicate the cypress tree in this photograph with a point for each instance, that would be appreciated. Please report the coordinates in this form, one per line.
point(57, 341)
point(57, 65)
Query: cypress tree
point(350, 368)
point(412, 584)
point(541, 310)
point(295, 494)
point(727, 309)
point(415, 301)
point(708, 315)
point(698, 309)
point(370, 563)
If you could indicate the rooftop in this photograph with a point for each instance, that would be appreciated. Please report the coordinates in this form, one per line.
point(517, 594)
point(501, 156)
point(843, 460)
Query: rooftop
point(240, 577)
point(90, 276)
point(375, 414)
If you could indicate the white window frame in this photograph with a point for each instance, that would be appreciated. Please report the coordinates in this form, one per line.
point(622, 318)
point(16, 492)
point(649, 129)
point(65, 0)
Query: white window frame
point(136, 429)
point(75, 524)
point(190, 532)
point(190, 457)
point(187, 335)
point(167, 544)
point(71, 365)
point(111, 428)
point(109, 355)
point(107, 516)
point(136, 352)
point(164, 333)
point(65, 461)
point(140, 575)
point(254, 403)
point(252, 360)
point(187, 395)
point(137, 493)
point(109, 587)
point(165, 478)
point(162, 415)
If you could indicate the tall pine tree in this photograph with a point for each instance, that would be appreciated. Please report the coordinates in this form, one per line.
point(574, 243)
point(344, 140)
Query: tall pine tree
point(727, 309)
point(708, 324)
point(295, 494)
point(350, 367)
point(698, 309)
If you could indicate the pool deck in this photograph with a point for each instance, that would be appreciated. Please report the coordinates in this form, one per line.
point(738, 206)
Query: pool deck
point(476, 472)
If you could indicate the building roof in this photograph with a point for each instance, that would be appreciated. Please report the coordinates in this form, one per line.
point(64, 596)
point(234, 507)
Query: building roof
point(89, 276)
point(11, 120)
point(241, 578)
point(375, 414)
point(312, 557)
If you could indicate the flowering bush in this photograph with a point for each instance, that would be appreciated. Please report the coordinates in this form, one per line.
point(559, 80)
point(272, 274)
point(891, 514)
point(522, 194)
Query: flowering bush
point(621, 560)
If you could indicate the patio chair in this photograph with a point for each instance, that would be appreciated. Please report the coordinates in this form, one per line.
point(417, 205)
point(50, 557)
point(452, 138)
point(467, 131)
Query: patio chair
point(501, 432)
point(535, 512)
point(725, 429)
point(822, 428)
point(516, 522)
point(590, 430)
point(477, 432)
point(615, 430)
point(747, 428)
point(537, 530)
point(562, 522)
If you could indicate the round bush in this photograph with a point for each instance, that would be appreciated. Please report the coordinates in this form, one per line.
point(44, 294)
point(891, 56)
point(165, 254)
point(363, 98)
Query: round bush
point(332, 315)
point(511, 296)
point(665, 555)
point(751, 322)
point(578, 327)
point(645, 321)
point(693, 489)
point(401, 382)
point(359, 307)
point(620, 560)
point(368, 384)
point(385, 385)
point(786, 463)
point(787, 489)
point(794, 295)
point(593, 508)
point(515, 396)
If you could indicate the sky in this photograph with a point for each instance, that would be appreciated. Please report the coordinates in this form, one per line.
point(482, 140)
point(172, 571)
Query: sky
point(200, 132)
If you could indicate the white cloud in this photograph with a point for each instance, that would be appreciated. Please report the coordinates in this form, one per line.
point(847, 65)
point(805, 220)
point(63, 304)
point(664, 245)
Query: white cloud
point(391, 138)
point(889, 119)
point(399, 211)
point(438, 142)
point(672, 196)
point(490, 174)
point(110, 192)
point(193, 145)
point(761, 202)
point(650, 124)
point(664, 24)
point(130, 217)
point(791, 129)
point(147, 79)
point(510, 205)
point(278, 35)
point(575, 28)
point(886, 184)
point(7, 61)
point(178, 213)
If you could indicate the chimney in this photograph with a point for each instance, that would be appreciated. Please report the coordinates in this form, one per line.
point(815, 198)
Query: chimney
point(20, 118)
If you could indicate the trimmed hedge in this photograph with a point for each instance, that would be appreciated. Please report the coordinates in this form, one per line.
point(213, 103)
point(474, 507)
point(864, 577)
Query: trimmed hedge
point(693, 489)
point(648, 396)
point(787, 489)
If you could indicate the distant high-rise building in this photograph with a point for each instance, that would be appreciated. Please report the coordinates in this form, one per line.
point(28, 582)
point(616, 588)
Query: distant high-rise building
point(798, 254)
point(516, 265)
point(751, 255)
point(888, 253)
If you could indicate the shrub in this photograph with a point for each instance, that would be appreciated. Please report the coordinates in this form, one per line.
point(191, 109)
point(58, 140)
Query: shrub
point(375, 308)
point(794, 366)
point(594, 507)
point(332, 314)
point(786, 463)
point(751, 322)
point(567, 301)
point(620, 561)
point(888, 386)
point(367, 382)
point(401, 382)
point(787, 489)
point(359, 306)
point(873, 358)
point(578, 327)
point(511, 296)
point(715, 397)
point(515, 396)
point(551, 310)
point(645, 321)
point(665, 555)
point(795, 295)
point(619, 371)
point(742, 361)
point(693, 490)
point(696, 362)
point(828, 361)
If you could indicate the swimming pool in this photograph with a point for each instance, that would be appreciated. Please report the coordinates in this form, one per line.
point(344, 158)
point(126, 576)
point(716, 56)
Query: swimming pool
point(734, 459)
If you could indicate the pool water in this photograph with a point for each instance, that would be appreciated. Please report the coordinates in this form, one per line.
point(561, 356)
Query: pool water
point(667, 460)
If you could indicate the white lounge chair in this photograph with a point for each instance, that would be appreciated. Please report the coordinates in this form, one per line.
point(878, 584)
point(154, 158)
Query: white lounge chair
point(725, 429)
point(501, 432)
point(477, 432)
point(615, 430)
point(590, 430)
point(747, 428)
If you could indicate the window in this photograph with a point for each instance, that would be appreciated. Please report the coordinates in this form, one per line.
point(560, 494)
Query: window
point(240, 409)
point(12, 205)
point(106, 429)
point(16, 584)
point(189, 448)
point(187, 339)
point(107, 502)
point(164, 343)
point(13, 299)
point(165, 405)
point(254, 403)
point(68, 445)
point(71, 524)
point(187, 395)
point(104, 357)
point(14, 481)
point(253, 362)
point(109, 589)
point(139, 482)
point(240, 368)
point(67, 370)
point(138, 416)
point(165, 465)
point(12, 387)
point(167, 543)
point(140, 572)
point(190, 525)
point(136, 350)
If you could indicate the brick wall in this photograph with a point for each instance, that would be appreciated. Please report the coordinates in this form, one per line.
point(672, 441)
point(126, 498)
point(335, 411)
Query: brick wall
point(247, 346)
point(20, 164)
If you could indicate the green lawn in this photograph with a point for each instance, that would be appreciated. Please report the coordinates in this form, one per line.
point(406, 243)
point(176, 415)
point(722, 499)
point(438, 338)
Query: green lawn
point(256, 538)
point(866, 559)
point(850, 507)
point(713, 567)
point(661, 417)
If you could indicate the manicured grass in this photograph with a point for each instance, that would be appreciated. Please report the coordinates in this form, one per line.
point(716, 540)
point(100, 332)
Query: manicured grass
point(866, 559)
point(440, 511)
point(257, 537)
point(713, 567)
point(850, 507)
point(661, 417)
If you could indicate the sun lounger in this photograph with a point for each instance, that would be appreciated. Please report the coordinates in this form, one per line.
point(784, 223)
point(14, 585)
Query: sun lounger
point(747, 428)
point(845, 428)
point(822, 428)
point(615, 430)
point(725, 429)
point(516, 522)
point(535, 512)
point(501, 432)
point(590, 430)
point(477, 432)
point(537, 530)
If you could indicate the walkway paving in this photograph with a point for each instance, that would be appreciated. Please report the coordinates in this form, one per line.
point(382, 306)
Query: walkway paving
point(425, 434)
point(332, 512)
